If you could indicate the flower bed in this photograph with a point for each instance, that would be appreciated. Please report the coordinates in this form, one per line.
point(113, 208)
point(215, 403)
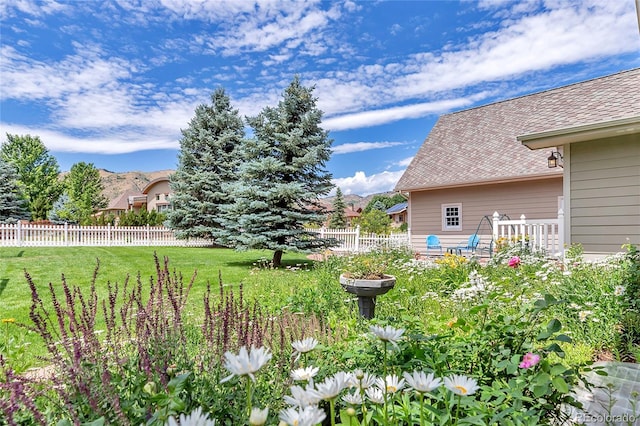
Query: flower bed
point(453, 343)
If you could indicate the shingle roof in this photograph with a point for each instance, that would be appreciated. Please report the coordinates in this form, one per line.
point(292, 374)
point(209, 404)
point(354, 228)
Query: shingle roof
point(122, 202)
point(479, 144)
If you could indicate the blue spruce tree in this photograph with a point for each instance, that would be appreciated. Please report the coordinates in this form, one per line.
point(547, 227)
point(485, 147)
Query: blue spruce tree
point(13, 205)
point(208, 159)
point(281, 178)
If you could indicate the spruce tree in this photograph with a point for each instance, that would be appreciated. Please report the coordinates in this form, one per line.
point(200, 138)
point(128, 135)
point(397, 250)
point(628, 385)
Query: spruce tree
point(208, 158)
point(13, 205)
point(338, 218)
point(281, 178)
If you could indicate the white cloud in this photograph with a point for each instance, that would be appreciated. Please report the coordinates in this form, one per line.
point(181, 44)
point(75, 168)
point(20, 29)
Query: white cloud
point(33, 8)
point(117, 143)
point(384, 116)
point(404, 162)
point(347, 148)
point(362, 184)
point(569, 33)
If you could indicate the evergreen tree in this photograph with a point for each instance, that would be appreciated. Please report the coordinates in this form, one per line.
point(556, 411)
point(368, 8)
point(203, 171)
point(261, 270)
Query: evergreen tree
point(37, 172)
point(13, 206)
point(338, 218)
point(281, 178)
point(63, 210)
point(208, 158)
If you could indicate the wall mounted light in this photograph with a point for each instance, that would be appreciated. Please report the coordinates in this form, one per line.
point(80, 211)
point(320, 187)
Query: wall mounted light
point(554, 160)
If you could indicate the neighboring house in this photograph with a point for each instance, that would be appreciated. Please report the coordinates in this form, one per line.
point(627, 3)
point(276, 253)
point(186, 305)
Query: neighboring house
point(155, 196)
point(157, 193)
point(352, 213)
point(398, 214)
point(120, 205)
point(474, 163)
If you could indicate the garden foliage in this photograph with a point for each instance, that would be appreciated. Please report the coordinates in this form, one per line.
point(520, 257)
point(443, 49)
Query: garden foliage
point(454, 342)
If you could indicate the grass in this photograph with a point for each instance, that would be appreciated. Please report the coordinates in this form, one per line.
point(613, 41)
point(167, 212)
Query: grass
point(48, 264)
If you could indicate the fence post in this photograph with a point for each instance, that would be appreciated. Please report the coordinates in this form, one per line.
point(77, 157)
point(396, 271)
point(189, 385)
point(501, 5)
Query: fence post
point(357, 239)
point(148, 235)
point(523, 229)
point(561, 233)
point(19, 233)
point(495, 226)
point(66, 233)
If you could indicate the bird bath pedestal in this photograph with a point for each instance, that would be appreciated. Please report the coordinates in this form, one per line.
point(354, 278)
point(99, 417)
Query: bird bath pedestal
point(367, 290)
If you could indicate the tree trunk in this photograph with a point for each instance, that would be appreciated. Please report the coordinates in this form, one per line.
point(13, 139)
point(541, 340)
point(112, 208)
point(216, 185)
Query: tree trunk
point(277, 258)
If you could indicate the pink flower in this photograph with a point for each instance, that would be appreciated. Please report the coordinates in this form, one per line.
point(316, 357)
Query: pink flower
point(529, 360)
point(514, 262)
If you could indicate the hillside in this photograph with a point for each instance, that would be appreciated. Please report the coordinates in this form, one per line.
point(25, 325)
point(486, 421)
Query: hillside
point(116, 184)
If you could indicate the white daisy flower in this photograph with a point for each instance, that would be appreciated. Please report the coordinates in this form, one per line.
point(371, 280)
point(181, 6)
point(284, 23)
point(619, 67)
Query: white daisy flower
point(305, 345)
point(388, 333)
point(361, 380)
point(353, 398)
point(461, 385)
point(375, 395)
point(304, 374)
point(258, 417)
point(391, 383)
point(332, 386)
point(421, 382)
point(302, 397)
point(307, 416)
point(196, 418)
point(246, 363)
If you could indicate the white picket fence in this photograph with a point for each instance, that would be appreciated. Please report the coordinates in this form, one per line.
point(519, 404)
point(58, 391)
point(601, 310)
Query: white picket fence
point(539, 235)
point(41, 235)
point(352, 240)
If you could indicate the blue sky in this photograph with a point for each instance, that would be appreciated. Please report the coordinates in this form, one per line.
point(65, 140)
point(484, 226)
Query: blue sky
point(113, 82)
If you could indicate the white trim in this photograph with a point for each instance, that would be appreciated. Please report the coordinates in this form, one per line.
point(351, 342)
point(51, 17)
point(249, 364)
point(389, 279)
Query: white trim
point(582, 133)
point(443, 211)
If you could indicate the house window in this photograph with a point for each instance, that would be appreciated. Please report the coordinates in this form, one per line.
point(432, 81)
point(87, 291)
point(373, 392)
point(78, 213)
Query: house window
point(452, 217)
point(162, 208)
point(157, 197)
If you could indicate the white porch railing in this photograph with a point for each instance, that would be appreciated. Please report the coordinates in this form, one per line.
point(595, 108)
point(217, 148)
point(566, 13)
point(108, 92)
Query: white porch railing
point(540, 235)
point(354, 241)
point(39, 235)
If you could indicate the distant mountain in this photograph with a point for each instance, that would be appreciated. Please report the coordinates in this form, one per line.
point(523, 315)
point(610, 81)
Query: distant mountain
point(116, 184)
point(357, 201)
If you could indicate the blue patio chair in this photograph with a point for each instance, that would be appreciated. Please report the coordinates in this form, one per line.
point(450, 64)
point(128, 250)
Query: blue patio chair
point(433, 242)
point(470, 246)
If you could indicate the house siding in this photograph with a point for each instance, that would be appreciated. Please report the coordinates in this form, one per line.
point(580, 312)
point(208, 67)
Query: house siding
point(605, 193)
point(161, 188)
point(535, 199)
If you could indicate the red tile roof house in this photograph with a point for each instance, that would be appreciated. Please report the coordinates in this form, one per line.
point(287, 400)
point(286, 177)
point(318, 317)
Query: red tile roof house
point(493, 158)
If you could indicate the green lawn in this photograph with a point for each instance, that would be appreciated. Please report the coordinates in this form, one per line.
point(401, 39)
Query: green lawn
point(48, 264)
